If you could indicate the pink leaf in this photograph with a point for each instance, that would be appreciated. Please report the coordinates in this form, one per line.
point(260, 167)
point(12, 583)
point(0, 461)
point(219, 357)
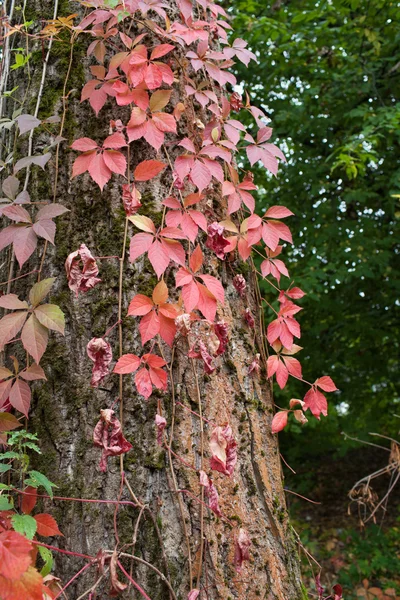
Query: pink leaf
point(99, 171)
point(84, 144)
point(161, 50)
point(213, 499)
point(279, 421)
point(115, 161)
point(158, 257)
point(293, 366)
point(316, 402)
point(143, 383)
point(140, 243)
point(149, 326)
point(326, 384)
point(159, 378)
point(206, 302)
point(20, 396)
point(214, 286)
point(82, 163)
point(25, 242)
point(17, 213)
point(45, 228)
point(190, 295)
point(127, 363)
point(140, 305)
point(11, 301)
point(115, 141)
point(34, 338)
point(278, 212)
point(223, 450)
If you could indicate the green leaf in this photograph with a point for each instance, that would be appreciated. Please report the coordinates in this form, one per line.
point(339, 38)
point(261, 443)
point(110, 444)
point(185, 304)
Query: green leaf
point(32, 446)
point(37, 479)
point(51, 316)
point(40, 290)
point(47, 557)
point(24, 524)
point(4, 468)
point(8, 455)
point(5, 504)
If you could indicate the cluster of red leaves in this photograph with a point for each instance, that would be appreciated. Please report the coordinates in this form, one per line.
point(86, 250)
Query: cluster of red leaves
point(150, 374)
point(18, 576)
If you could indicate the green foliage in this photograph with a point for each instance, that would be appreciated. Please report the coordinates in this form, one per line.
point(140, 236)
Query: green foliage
point(21, 443)
point(359, 559)
point(328, 76)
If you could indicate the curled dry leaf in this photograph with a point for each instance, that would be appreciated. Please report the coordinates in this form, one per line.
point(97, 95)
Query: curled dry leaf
point(216, 240)
point(221, 331)
point(161, 423)
point(242, 546)
point(116, 585)
point(223, 450)
point(108, 435)
point(81, 279)
point(239, 283)
point(100, 352)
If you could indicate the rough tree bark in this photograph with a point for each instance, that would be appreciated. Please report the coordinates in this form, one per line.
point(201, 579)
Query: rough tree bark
point(65, 408)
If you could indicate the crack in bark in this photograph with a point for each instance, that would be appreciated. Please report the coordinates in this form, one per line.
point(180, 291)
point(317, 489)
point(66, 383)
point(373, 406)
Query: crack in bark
point(258, 480)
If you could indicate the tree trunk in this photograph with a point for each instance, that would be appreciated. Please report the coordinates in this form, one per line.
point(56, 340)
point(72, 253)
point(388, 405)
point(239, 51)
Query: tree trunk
point(169, 524)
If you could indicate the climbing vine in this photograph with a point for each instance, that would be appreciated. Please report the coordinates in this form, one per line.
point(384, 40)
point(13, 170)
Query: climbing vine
point(168, 70)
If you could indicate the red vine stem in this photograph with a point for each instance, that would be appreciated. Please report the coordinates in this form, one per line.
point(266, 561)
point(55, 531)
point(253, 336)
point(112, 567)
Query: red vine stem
point(62, 498)
point(71, 580)
point(133, 582)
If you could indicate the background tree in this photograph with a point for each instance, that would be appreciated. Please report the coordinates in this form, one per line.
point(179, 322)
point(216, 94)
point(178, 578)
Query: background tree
point(328, 77)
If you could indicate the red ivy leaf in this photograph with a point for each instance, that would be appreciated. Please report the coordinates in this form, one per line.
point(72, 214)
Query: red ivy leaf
point(148, 169)
point(279, 421)
point(143, 383)
point(316, 402)
point(46, 525)
point(128, 363)
point(326, 384)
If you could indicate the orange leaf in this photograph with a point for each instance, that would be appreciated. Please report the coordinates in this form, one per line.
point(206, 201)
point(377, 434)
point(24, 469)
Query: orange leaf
point(160, 293)
point(148, 169)
point(46, 525)
point(28, 587)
